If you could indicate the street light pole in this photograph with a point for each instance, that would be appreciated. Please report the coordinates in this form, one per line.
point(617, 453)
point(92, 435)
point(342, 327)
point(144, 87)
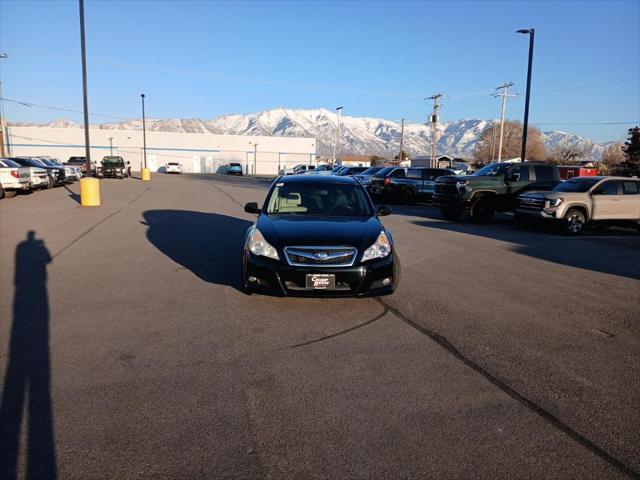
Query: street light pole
point(255, 157)
point(84, 91)
point(144, 133)
point(336, 147)
point(111, 146)
point(525, 126)
point(2, 136)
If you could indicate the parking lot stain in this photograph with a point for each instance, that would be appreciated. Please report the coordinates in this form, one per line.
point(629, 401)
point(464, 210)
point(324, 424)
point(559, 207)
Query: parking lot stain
point(529, 404)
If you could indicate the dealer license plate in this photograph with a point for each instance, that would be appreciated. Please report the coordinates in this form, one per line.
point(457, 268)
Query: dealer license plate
point(321, 281)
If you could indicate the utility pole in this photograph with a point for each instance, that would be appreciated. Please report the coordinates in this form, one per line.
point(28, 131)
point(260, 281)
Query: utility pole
point(85, 98)
point(2, 139)
point(111, 146)
point(401, 142)
point(255, 157)
point(493, 141)
point(504, 95)
point(336, 147)
point(433, 119)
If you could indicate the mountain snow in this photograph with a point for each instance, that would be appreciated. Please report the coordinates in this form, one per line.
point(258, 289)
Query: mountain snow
point(358, 135)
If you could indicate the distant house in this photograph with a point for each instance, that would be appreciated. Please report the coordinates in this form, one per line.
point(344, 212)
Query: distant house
point(442, 161)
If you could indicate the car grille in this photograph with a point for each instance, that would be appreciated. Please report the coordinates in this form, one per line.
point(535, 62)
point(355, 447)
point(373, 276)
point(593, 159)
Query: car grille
point(321, 256)
point(532, 203)
point(444, 188)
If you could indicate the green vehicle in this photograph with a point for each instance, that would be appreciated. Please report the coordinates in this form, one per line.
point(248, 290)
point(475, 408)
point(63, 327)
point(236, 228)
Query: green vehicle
point(493, 188)
point(114, 167)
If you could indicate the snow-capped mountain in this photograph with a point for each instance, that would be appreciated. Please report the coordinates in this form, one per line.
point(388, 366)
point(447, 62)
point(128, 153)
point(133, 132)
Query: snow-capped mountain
point(358, 135)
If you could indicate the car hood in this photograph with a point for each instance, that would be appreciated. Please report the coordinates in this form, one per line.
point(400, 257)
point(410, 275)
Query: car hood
point(290, 230)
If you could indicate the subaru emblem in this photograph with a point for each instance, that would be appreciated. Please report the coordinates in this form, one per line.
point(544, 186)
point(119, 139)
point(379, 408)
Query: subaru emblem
point(321, 255)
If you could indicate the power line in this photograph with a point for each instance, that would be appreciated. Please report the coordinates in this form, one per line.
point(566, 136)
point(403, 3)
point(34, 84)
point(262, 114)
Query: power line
point(588, 72)
point(588, 86)
point(588, 123)
point(29, 104)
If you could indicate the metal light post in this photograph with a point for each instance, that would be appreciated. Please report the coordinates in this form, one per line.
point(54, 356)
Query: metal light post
point(255, 157)
point(111, 146)
point(85, 97)
point(336, 147)
point(525, 126)
point(144, 133)
point(2, 135)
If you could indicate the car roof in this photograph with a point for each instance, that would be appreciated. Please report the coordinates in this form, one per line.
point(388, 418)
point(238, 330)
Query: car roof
point(316, 179)
point(602, 177)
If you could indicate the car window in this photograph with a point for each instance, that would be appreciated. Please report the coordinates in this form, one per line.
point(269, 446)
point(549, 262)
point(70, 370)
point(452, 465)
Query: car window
point(630, 188)
point(543, 172)
point(609, 188)
point(414, 173)
point(318, 199)
point(522, 170)
point(383, 172)
point(399, 173)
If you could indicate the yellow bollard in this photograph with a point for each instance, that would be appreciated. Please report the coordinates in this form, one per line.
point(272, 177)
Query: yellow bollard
point(146, 175)
point(90, 192)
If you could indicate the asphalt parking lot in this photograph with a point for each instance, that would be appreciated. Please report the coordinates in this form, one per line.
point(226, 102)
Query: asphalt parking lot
point(127, 349)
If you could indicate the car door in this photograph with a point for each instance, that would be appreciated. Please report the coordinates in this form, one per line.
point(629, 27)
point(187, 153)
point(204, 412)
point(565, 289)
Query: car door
point(606, 200)
point(517, 178)
point(630, 200)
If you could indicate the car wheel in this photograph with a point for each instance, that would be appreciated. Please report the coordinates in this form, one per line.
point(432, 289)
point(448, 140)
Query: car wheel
point(574, 221)
point(451, 213)
point(2, 192)
point(49, 182)
point(9, 193)
point(482, 210)
point(404, 195)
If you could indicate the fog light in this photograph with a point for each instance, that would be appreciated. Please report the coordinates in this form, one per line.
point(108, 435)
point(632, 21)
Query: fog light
point(253, 279)
point(386, 281)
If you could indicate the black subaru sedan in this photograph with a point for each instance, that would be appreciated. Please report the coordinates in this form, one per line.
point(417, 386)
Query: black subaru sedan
point(319, 236)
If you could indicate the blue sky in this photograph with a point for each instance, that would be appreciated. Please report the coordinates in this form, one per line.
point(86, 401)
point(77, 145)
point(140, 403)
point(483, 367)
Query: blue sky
point(378, 59)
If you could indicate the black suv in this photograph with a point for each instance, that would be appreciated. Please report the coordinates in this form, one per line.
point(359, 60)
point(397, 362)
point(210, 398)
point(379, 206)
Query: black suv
point(380, 186)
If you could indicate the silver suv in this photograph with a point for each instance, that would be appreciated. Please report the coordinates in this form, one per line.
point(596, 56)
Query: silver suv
point(582, 200)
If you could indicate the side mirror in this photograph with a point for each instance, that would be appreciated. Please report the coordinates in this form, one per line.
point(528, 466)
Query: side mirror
point(252, 207)
point(514, 177)
point(383, 211)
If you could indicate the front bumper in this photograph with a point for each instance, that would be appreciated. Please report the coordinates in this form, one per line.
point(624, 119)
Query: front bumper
point(279, 278)
point(538, 214)
point(453, 201)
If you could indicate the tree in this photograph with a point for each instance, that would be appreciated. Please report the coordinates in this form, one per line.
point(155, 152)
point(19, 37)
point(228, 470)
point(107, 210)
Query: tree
point(405, 156)
point(631, 149)
point(511, 144)
point(612, 154)
point(377, 161)
point(565, 153)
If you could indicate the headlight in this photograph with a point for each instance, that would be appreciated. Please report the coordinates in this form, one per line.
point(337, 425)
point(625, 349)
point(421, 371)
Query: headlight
point(554, 202)
point(259, 246)
point(380, 248)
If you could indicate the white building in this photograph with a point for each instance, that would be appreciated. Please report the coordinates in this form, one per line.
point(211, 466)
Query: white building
point(197, 152)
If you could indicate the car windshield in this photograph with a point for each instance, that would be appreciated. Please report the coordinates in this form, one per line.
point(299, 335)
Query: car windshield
point(491, 169)
point(576, 185)
point(47, 162)
point(113, 160)
point(383, 172)
point(329, 199)
point(371, 170)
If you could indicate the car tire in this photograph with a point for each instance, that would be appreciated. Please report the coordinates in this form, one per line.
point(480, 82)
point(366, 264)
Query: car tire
point(50, 183)
point(404, 195)
point(482, 210)
point(574, 222)
point(451, 213)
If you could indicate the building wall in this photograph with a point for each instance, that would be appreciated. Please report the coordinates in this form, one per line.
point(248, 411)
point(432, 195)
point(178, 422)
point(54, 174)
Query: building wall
point(200, 153)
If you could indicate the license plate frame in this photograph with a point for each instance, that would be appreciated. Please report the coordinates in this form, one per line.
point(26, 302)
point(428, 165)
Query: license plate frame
point(321, 281)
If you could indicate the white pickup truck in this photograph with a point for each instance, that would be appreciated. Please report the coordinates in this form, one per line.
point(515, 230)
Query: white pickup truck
point(297, 170)
point(13, 179)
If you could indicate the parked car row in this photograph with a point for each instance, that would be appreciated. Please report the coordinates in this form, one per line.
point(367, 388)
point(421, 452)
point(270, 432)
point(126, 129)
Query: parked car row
point(25, 174)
